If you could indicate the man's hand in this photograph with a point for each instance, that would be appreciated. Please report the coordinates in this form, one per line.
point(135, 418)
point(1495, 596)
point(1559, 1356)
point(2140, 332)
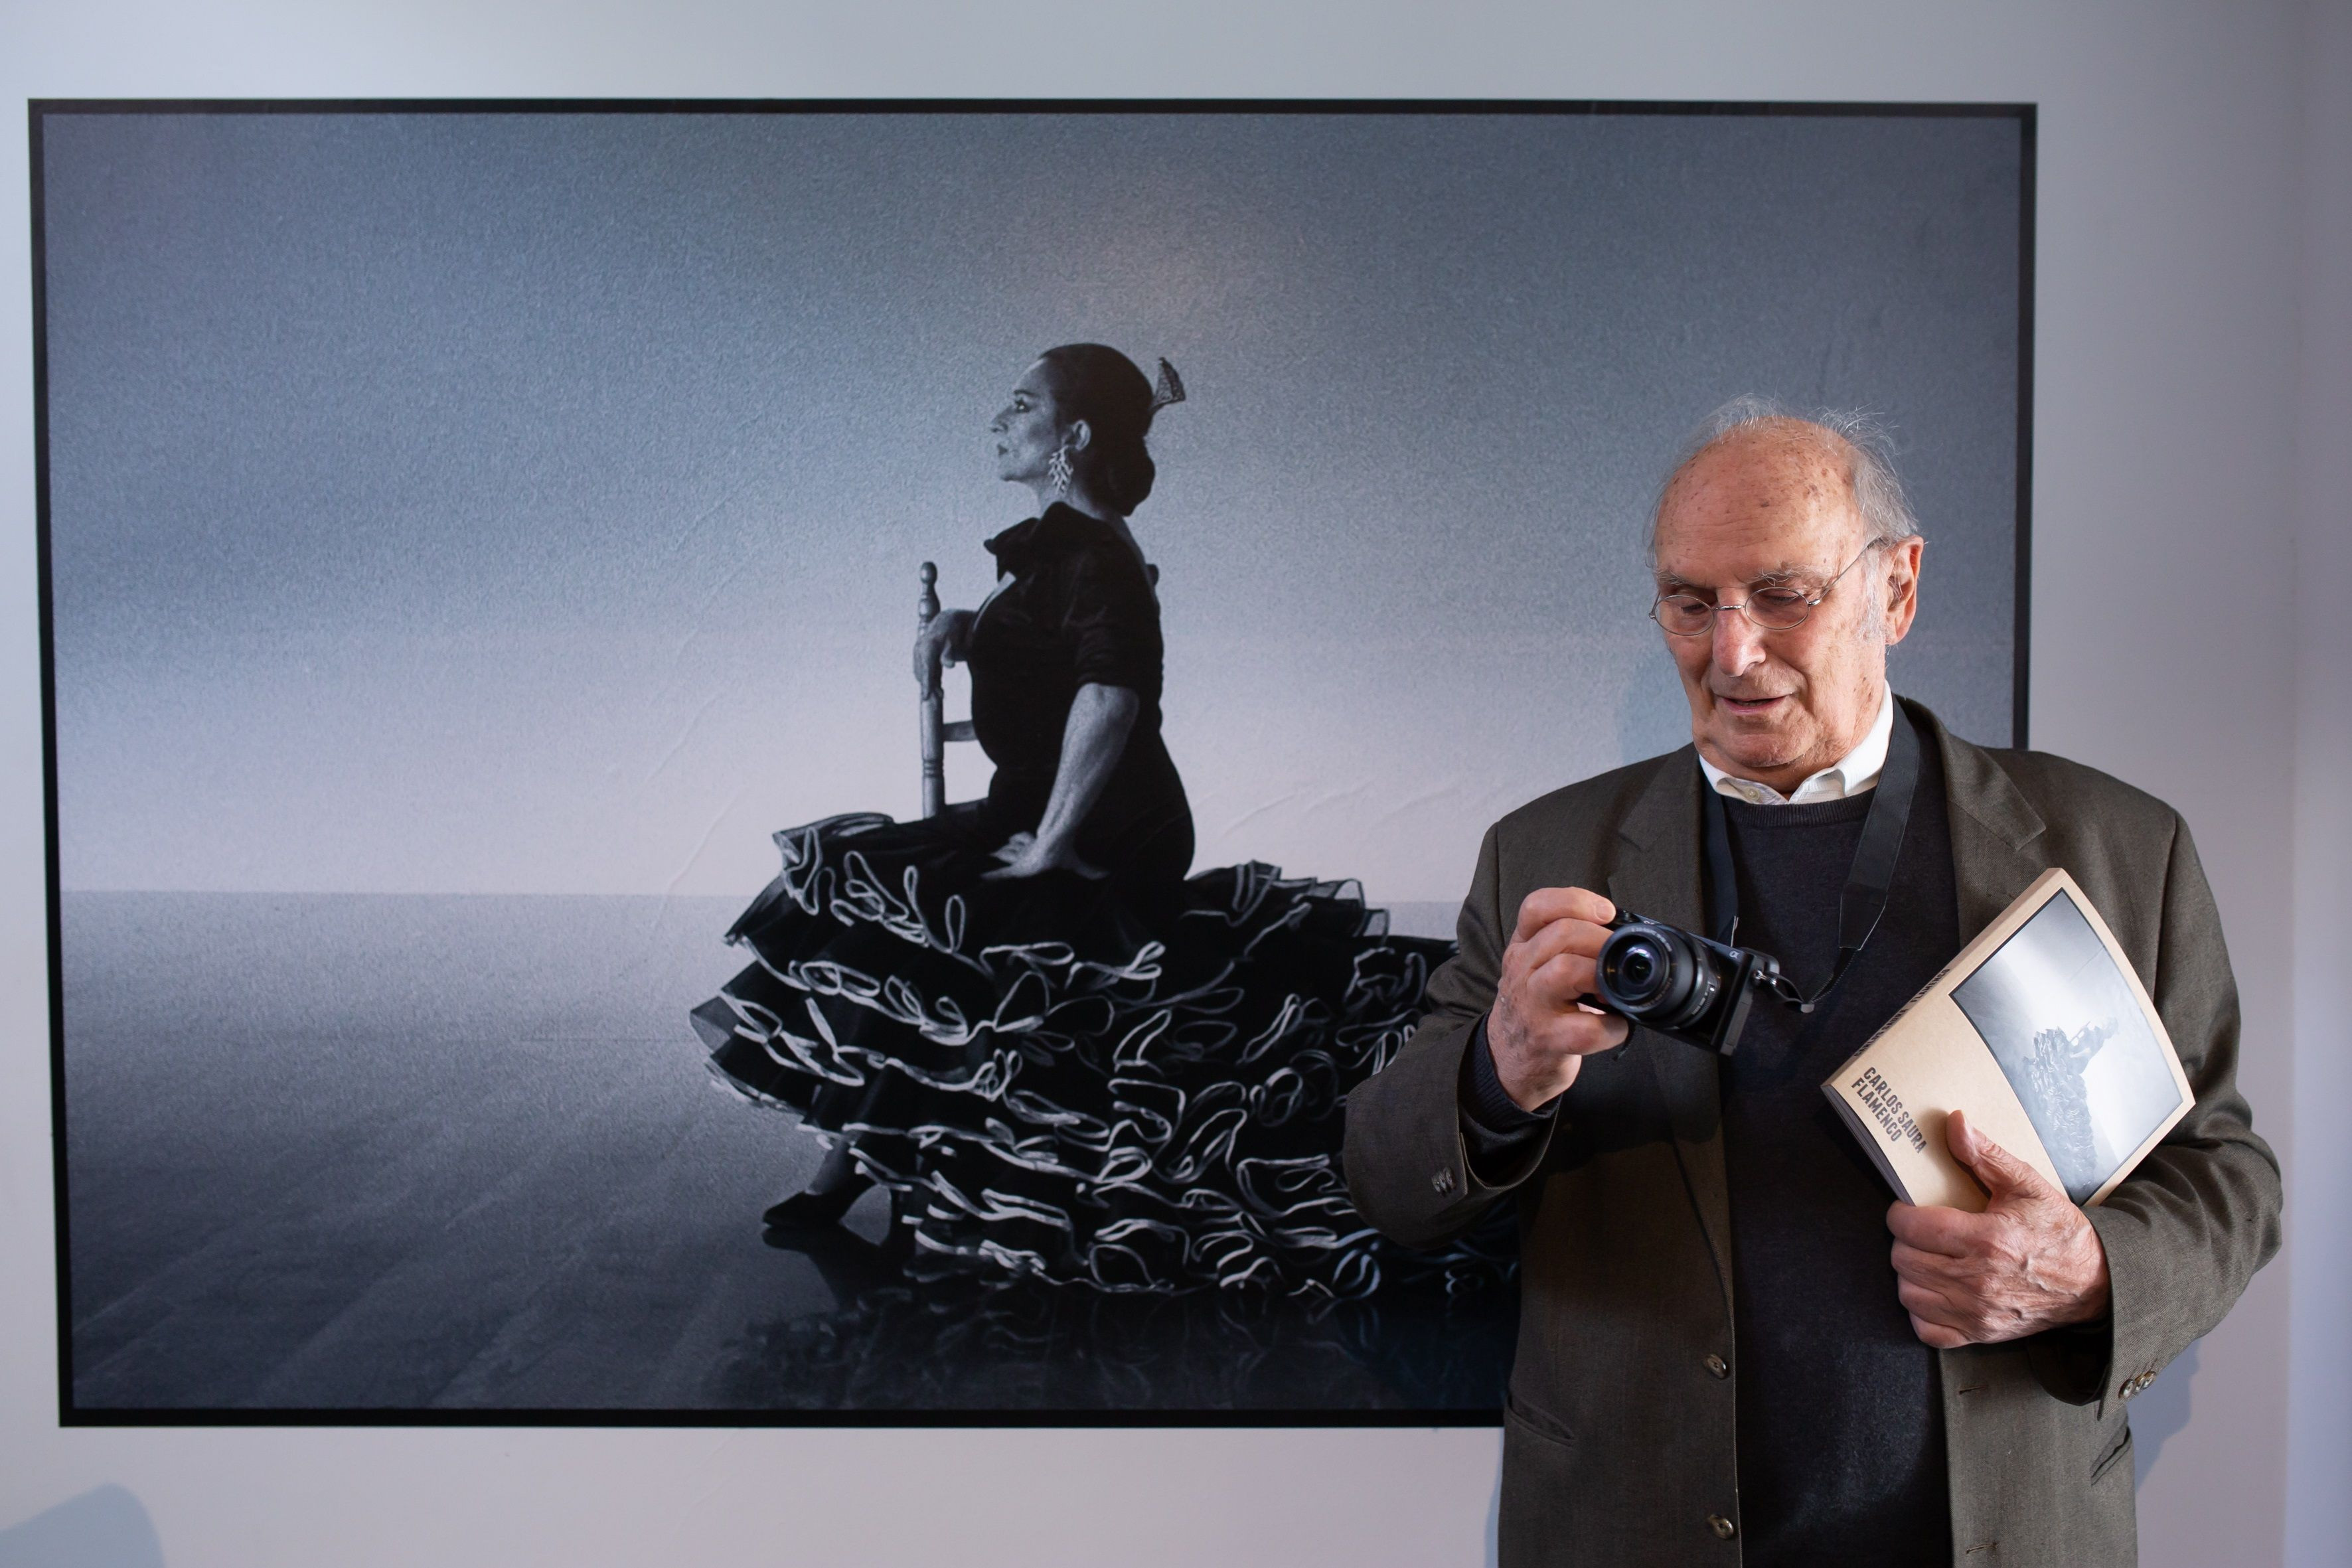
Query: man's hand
point(1541, 1030)
point(2030, 1262)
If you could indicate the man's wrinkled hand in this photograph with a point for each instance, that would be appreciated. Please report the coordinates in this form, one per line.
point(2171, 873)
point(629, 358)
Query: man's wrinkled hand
point(1541, 1028)
point(2030, 1262)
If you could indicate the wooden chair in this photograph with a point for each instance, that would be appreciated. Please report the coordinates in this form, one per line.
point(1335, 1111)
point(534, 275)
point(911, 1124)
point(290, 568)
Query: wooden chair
point(937, 729)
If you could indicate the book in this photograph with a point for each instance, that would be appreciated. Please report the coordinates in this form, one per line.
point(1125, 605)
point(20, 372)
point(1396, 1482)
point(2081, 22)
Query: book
point(2041, 1032)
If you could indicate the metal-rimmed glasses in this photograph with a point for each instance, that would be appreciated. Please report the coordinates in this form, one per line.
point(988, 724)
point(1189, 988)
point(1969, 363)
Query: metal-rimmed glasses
point(1768, 609)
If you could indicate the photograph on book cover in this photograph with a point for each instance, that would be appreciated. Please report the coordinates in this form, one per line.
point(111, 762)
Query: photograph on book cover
point(2068, 1032)
point(513, 961)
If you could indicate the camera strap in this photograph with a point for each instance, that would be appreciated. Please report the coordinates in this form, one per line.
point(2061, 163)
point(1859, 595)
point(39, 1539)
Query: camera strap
point(1862, 904)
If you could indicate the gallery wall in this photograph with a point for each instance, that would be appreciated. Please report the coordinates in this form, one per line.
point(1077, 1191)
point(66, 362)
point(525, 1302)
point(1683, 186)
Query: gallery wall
point(2319, 1428)
point(2190, 566)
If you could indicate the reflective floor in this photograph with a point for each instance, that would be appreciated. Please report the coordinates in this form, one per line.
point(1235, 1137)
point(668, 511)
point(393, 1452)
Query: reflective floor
point(402, 1153)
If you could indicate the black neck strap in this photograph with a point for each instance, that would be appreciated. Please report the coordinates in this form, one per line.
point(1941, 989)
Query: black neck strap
point(1864, 903)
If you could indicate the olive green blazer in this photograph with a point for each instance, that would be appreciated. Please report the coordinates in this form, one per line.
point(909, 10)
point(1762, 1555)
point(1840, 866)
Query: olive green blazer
point(1618, 1439)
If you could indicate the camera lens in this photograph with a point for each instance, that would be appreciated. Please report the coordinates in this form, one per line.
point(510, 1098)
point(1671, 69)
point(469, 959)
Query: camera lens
point(1677, 983)
point(1639, 969)
point(1654, 975)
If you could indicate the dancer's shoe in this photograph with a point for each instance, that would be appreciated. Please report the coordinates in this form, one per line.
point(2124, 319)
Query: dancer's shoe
point(812, 1211)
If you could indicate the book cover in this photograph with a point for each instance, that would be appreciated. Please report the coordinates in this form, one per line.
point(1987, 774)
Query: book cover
point(2043, 1033)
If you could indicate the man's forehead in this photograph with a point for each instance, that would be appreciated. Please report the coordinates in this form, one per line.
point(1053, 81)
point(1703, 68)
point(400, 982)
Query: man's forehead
point(1748, 547)
point(1754, 511)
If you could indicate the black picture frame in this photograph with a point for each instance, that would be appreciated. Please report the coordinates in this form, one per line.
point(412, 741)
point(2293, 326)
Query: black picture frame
point(43, 113)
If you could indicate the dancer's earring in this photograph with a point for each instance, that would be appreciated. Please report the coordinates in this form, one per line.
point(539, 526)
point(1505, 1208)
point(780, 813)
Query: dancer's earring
point(1057, 469)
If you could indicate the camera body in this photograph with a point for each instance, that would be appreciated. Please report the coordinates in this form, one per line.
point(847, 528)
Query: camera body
point(1679, 984)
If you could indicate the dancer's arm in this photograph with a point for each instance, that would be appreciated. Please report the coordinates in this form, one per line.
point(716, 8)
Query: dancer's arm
point(1092, 741)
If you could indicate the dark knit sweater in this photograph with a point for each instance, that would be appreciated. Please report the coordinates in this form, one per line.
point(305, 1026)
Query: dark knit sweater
point(1841, 1435)
point(1841, 1415)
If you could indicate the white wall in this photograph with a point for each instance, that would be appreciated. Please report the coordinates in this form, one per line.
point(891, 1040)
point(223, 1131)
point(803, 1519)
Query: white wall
point(2319, 1211)
point(2192, 410)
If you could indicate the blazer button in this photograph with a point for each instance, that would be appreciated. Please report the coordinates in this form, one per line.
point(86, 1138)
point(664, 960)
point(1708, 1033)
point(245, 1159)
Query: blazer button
point(1723, 1529)
point(1442, 1182)
point(1717, 1365)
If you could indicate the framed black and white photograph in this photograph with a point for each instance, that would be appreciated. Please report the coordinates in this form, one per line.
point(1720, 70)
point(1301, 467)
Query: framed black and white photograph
point(776, 763)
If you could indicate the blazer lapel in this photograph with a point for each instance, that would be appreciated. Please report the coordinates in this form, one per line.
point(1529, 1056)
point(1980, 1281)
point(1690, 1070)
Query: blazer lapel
point(1656, 875)
point(1996, 843)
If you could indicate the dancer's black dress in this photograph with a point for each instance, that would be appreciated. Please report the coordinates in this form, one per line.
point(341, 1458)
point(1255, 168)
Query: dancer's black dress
point(1132, 1083)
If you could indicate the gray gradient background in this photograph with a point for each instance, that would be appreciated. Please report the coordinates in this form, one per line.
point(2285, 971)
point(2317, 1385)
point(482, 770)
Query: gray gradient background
point(490, 503)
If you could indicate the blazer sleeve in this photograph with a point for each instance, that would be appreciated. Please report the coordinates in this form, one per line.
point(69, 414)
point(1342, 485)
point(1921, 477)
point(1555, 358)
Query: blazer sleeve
point(2186, 1231)
point(1408, 1171)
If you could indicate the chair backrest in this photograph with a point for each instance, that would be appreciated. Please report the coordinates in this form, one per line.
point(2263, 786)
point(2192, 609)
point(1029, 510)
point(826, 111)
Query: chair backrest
point(933, 728)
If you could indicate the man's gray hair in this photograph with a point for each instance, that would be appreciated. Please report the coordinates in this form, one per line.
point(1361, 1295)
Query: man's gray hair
point(1886, 516)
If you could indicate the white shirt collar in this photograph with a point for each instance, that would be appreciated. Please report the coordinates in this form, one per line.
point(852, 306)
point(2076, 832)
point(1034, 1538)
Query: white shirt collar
point(1856, 772)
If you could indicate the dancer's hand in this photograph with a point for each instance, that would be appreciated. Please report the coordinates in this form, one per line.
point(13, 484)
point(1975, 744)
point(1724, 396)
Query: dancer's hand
point(1026, 855)
point(940, 641)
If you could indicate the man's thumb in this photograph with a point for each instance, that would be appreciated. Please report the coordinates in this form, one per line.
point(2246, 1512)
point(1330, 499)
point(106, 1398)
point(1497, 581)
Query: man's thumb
point(2003, 1173)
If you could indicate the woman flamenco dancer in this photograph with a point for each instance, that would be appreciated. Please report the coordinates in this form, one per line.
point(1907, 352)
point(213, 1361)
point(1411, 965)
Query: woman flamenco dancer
point(1064, 1060)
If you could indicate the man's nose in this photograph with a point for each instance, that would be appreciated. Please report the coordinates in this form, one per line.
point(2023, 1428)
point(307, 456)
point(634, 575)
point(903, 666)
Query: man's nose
point(1738, 642)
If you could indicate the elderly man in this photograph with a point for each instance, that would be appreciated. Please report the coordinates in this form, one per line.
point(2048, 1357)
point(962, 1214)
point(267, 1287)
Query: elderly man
point(1731, 1348)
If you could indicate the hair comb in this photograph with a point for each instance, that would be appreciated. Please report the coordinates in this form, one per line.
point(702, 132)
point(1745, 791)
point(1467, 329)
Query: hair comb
point(1170, 387)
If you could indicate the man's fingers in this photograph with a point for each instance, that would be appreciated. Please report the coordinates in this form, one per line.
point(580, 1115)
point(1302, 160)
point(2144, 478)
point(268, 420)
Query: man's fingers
point(1548, 970)
point(1554, 1032)
point(1564, 980)
point(1934, 1269)
point(1926, 1301)
point(2003, 1173)
point(1935, 1336)
point(1552, 999)
point(1549, 942)
point(1952, 1317)
point(1545, 905)
point(1938, 1319)
point(1953, 1233)
point(1578, 1033)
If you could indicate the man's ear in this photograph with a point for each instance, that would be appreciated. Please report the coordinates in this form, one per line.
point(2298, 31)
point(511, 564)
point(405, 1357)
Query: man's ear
point(1903, 588)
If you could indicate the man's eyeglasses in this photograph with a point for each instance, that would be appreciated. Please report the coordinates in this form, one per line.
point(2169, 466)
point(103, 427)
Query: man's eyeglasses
point(1771, 609)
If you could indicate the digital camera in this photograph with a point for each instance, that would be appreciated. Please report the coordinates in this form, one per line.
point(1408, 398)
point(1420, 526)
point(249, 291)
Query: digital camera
point(1680, 984)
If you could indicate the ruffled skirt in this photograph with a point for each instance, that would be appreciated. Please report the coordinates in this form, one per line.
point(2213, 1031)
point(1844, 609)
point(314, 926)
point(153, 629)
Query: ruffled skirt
point(1074, 1082)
